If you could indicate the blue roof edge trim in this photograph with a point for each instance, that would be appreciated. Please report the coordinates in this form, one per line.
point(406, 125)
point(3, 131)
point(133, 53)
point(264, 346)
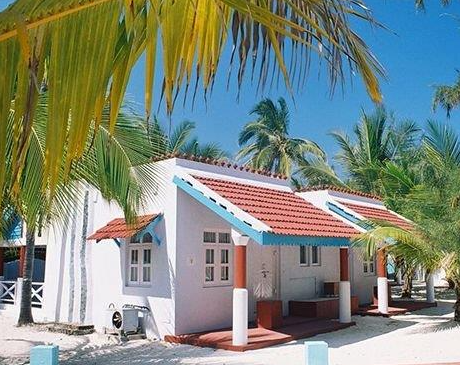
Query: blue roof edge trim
point(263, 238)
point(348, 216)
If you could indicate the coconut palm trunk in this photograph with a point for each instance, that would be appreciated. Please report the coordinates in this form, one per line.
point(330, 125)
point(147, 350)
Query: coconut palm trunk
point(25, 314)
point(457, 304)
point(83, 279)
point(408, 275)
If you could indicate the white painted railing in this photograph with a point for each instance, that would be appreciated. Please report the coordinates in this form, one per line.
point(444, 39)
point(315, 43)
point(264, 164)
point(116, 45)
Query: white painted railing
point(10, 292)
point(37, 294)
point(7, 291)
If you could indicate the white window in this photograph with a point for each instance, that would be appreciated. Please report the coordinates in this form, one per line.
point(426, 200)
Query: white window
point(217, 258)
point(315, 256)
point(140, 260)
point(303, 256)
point(369, 265)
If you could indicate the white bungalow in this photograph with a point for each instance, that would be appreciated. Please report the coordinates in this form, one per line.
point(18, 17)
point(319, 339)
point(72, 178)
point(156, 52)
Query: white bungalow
point(217, 240)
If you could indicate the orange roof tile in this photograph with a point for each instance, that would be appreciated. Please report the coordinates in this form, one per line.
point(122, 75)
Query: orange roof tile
point(118, 228)
point(379, 214)
point(283, 211)
point(340, 190)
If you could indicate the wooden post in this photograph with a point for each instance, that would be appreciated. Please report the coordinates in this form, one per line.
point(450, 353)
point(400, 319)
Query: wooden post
point(344, 288)
point(2, 260)
point(381, 264)
point(344, 270)
point(22, 257)
point(382, 281)
point(240, 293)
point(240, 267)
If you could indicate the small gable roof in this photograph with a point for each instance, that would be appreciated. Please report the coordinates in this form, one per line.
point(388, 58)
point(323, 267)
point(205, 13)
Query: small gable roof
point(285, 212)
point(118, 228)
point(379, 214)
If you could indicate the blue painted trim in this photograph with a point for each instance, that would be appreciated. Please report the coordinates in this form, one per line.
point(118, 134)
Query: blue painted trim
point(220, 211)
point(263, 238)
point(117, 241)
point(350, 217)
point(269, 238)
point(152, 225)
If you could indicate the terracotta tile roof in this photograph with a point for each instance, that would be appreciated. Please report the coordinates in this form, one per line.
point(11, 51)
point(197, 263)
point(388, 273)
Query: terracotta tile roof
point(283, 211)
point(340, 190)
point(221, 162)
point(381, 214)
point(118, 228)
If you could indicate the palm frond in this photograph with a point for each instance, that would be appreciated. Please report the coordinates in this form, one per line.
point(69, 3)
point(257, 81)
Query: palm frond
point(89, 47)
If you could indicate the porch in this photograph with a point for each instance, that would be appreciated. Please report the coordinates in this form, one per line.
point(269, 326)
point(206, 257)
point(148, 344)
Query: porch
point(292, 328)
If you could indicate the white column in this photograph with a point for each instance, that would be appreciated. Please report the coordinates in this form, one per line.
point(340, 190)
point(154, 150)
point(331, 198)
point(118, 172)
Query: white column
point(18, 292)
point(344, 287)
point(240, 293)
point(240, 317)
point(344, 302)
point(430, 296)
point(382, 294)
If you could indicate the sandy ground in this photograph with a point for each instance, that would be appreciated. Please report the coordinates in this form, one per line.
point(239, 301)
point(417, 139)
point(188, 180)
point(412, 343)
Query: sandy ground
point(427, 336)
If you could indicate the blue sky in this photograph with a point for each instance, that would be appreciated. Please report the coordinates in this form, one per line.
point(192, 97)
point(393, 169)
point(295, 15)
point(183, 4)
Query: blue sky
point(424, 52)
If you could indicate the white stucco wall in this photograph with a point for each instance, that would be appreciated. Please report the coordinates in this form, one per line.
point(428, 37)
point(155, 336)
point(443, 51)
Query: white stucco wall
point(198, 307)
point(178, 299)
point(362, 285)
point(106, 266)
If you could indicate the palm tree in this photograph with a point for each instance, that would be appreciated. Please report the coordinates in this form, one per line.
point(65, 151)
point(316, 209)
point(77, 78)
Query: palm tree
point(181, 140)
point(85, 51)
point(377, 141)
point(265, 143)
point(447, 97)
point(432, 200)
point(114, 163)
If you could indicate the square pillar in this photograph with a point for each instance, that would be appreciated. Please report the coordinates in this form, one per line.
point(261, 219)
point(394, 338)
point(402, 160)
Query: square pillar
point(240, 292)
point(44, 355)
point(22, 258)
point(344, 288)
point(382, 281)
point(2, 260)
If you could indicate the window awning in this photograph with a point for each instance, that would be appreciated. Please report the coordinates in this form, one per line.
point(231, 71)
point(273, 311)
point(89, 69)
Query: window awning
point(118, 228)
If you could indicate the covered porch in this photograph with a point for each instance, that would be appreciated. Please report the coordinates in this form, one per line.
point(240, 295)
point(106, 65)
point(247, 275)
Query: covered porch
point(292, 328)
point(271, 218)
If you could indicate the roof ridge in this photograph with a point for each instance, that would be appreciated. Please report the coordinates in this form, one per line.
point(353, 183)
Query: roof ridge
point(340, 190)
point(224, 162)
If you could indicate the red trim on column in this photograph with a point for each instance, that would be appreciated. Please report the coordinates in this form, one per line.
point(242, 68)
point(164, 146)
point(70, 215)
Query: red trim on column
point(381, 263)
point(240, 267)
point(344, 271)
point(2, 260)
point(22, 257)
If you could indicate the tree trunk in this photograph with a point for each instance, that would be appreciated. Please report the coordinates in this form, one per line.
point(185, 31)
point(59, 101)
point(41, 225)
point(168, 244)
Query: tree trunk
point(406, 290)
point(83, 279)
point(72, 267)
point(457, 305)
point(25, 314)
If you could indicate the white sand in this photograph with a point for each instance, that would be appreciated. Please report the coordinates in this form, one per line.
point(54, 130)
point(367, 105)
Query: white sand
point(428, 336)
